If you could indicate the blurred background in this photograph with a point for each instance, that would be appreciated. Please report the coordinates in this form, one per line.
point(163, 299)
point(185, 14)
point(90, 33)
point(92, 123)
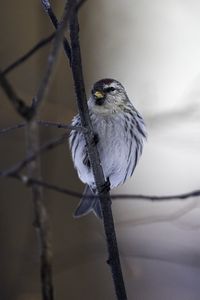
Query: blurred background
point(153, 48)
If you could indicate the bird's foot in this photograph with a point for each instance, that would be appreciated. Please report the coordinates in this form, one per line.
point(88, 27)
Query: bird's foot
point(106, 186)
point(95, 139)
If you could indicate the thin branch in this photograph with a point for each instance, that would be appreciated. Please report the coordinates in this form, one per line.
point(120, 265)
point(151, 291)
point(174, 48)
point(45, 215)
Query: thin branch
point(11, 128)
point(154, 198)
point(27, 55)
point(45, 124)
point(41, 217)
point(61, 125)
point(52, 59)
point(113, 259)
point(48, 9)
point(34, 168)
point(29, 113)
point(16, 101)
point(18, 167)
point(24, 110)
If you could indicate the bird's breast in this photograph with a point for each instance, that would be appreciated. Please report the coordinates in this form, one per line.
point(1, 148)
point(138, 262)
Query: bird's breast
point(113, 146)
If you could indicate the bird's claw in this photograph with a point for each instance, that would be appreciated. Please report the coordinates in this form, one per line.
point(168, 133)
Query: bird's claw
point(106, 186)
point(95, 139)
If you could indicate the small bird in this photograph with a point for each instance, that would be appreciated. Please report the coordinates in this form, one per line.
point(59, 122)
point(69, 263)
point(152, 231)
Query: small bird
point(119, 132)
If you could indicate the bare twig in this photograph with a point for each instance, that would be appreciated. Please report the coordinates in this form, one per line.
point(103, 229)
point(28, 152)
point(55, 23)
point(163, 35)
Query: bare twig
point(103, 193)
point(41, 218)
point(16, 101)
point(154, 198)
point(45, 124)
point(29, 113)
point(27, 55)
point(33, 155)
point(52, 59)
point(47, 7)
point(40, 214)
point(60, 125)
point(11, 128)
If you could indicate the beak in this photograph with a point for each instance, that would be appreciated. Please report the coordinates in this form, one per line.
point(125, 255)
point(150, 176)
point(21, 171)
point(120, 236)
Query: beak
point(99, 95)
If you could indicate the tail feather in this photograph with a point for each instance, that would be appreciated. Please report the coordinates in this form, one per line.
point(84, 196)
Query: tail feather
point(87, 205)
point(96, 208)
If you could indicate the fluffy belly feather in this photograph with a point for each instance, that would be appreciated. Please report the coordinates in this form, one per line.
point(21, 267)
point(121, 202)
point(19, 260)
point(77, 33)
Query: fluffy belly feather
point(117, 151)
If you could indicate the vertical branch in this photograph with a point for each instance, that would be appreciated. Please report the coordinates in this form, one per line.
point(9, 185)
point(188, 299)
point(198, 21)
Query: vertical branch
point(40, 214)
point(41, 218)
point(103, 193)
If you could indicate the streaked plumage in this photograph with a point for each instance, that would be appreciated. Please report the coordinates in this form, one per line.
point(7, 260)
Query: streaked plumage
point(120, 130)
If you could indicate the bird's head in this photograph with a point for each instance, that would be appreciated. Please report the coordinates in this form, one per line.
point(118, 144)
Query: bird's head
point(107, 95)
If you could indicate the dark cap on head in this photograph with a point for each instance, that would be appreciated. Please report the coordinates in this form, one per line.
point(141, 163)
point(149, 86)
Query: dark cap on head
point(101, 83)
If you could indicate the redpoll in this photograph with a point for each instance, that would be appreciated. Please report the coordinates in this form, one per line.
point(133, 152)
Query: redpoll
point(119, 130)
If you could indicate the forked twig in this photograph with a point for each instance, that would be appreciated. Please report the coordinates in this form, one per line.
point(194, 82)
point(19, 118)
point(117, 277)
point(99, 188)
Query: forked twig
point(28, 54)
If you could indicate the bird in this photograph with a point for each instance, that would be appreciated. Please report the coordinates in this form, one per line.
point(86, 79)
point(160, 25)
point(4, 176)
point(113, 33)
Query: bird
point(119, 135)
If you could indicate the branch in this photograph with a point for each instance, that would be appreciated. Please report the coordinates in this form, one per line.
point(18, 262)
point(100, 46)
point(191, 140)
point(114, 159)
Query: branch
point(29, 113)
point(154, 198)
point(27, 55)
point(11, 128)
point(52, 59)
point(61, 125)
point(103, 193)
point(17, 102)
point(41, 218)
point(33, 155)
point(24, 110)
point(47, 7)
point(45, 124)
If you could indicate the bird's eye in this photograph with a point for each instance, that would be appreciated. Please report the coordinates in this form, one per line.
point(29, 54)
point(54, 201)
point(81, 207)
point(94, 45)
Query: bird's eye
point(110, 89)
